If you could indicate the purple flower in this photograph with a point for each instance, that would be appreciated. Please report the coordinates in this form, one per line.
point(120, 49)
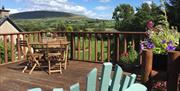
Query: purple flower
point(170, 48)
point(170, 42)
point(150, 24)
point(163, 41)
point(150, 45)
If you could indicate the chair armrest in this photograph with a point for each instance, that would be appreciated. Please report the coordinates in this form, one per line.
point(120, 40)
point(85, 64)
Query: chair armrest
point(136, 87)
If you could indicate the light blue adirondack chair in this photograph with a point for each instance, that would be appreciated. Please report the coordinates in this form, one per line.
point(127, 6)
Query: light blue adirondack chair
point(118, 82)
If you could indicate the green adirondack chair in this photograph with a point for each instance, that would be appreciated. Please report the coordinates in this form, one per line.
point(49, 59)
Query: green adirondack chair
point(118, 82)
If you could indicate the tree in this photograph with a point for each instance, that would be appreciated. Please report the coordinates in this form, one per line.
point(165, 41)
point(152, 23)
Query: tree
point(145, 13)
point(123, 15)
point(60, 26)
point(69, 28)
point(173, 12)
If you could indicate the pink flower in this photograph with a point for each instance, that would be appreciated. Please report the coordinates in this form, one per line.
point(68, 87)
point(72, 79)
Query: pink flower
point(150, 25)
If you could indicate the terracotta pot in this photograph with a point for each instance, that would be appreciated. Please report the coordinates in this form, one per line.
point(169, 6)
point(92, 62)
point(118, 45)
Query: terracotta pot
point(160, 62)
point(127, 66)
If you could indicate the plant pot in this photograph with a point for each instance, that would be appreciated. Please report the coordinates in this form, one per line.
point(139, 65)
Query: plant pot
point(129, 67)
point(160, 62)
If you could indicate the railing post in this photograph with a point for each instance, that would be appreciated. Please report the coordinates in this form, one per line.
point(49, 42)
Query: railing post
point(147, 60)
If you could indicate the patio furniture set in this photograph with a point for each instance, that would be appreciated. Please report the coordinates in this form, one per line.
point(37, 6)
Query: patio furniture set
point(52, 51)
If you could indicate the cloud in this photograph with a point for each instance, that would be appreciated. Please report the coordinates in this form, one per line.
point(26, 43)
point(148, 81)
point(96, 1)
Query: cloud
point(149, 2)
point(104, 16)
point(13, 10)
point(104, 1)
point(101, 8)
point(59, 5)
point(62, 5)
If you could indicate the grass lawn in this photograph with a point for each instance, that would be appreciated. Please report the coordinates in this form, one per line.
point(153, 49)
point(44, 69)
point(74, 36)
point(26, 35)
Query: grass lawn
point(92, 49)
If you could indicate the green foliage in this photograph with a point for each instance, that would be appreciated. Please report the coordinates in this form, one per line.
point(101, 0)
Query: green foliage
point(145, 13)
point(129, 57)
point(2, 50)
point(59, 24)
point(100, 27)
point(69, 28)
point(127, 20)
point(173, 12)
point(123, 15)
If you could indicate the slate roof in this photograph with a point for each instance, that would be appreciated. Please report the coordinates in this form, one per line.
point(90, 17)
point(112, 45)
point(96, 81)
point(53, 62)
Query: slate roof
point(2, 20)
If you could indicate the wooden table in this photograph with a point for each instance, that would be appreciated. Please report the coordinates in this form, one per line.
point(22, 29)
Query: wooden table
point(44, 45)
point(53, 49)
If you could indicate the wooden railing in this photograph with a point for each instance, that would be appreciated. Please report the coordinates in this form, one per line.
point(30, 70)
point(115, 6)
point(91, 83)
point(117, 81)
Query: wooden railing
point(85, 46)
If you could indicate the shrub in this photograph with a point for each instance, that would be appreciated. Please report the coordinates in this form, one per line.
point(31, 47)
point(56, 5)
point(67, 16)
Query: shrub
point(129, 57)
point(2, 50)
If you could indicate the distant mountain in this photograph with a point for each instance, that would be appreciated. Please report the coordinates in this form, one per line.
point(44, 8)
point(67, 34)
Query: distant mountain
point(41, 14)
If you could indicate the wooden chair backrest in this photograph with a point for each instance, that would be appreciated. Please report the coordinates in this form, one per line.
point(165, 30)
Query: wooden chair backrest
point(27, 50)
point(119, 82)
point(24, 47)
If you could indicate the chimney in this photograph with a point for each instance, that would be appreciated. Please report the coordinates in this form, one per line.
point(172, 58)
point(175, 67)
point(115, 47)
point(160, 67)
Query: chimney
point(4, 12)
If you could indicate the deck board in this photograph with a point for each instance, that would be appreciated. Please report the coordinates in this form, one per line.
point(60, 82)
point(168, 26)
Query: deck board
point(11, 78)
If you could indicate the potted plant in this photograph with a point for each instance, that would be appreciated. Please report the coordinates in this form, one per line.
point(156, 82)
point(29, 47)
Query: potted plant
point(161, 39)
point(128, 60)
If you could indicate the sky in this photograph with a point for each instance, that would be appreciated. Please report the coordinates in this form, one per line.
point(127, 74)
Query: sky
point(100, 9)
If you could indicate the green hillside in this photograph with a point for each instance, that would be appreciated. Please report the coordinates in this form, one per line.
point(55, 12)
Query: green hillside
point(59, 21)
point(41, 15)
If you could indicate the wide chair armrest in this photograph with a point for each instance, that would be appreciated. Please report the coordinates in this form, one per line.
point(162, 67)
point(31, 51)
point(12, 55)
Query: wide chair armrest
point(136, 87)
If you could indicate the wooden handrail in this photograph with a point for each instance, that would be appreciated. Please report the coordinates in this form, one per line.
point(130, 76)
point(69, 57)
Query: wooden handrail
point(87, 46)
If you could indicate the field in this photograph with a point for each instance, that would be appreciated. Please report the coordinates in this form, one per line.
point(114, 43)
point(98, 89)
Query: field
point(55, 24)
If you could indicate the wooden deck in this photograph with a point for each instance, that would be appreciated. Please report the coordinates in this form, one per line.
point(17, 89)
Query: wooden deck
point(11, 78)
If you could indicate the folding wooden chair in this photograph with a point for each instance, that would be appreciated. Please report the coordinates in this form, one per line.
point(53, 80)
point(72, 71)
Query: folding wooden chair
point(54, 57)
point(64, 55)
point(28, 53)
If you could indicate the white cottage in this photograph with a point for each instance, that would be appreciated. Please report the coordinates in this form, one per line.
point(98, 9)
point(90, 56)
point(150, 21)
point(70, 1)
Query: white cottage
point(7, 25)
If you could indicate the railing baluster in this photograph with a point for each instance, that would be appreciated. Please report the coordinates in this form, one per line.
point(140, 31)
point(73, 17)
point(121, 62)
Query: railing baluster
point(96, 49)
point(108, 49)
point(83, 46)
point(133, 42)
point(12, 48)
point(72, 46)
point(79, 40)
point(117, 47)
point(5, 49)
point(125, 44)
point(102, 48)
point(140, 52)
point(29, 38)
point(89, 54)
point(18, 46)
